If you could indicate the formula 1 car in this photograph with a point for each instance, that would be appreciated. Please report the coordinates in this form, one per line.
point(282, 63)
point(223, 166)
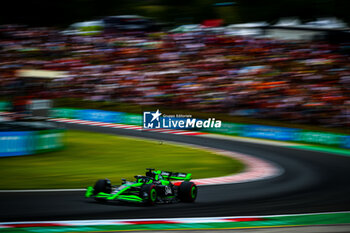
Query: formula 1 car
point(154, 187)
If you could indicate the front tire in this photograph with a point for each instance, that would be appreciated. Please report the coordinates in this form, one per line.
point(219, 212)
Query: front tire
point(187, 191)
point(149, 192)
point(104, 186)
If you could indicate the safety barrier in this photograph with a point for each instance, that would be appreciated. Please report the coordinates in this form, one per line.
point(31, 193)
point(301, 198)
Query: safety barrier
point(285, 134)
point(15, 143)
point(244, 130)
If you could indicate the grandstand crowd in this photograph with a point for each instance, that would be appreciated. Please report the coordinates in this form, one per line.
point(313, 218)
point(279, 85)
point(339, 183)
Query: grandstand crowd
point(294, 81)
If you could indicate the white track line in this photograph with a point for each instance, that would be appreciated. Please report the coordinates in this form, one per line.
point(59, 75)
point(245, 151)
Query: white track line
point(40, 190)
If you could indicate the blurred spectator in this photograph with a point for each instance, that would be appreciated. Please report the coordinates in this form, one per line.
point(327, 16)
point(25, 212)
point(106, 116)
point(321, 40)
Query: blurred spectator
point(293, 81)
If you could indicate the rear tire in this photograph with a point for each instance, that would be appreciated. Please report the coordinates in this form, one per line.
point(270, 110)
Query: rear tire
point(150, 190)
point(104, 186)
point(187, 191)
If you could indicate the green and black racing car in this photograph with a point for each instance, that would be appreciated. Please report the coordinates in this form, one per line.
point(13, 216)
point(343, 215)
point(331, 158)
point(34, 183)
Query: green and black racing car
point(154, 187)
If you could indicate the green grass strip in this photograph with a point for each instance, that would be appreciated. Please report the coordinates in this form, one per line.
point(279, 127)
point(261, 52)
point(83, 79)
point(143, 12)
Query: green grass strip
point(266, 222)
point(91, 156)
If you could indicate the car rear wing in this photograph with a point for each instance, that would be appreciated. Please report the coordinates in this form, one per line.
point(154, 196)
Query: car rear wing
point(176, 175)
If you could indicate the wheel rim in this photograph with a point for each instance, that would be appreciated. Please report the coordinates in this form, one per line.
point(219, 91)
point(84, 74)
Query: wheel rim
point(193, 192)
point(153, 195)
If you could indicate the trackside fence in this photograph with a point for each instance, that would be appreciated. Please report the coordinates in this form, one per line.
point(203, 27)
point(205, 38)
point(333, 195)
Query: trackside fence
point(15, 143)
point(243, 130)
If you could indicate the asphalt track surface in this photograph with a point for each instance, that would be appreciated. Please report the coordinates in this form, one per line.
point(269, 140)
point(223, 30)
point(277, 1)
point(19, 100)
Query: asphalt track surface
point(312, 182)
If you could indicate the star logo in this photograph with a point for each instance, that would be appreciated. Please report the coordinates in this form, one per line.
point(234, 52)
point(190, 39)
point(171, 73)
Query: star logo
point(152, 120)
point(156, 115)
